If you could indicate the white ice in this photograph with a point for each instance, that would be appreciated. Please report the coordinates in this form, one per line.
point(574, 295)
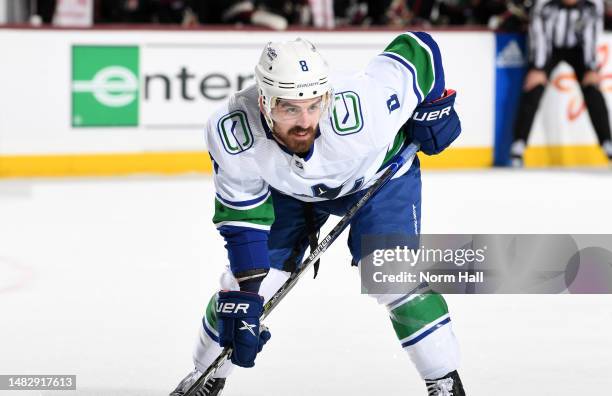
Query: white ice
point(108, 279)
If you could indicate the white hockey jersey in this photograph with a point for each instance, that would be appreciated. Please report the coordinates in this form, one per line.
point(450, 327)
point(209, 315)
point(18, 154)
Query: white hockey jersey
point(362, 132)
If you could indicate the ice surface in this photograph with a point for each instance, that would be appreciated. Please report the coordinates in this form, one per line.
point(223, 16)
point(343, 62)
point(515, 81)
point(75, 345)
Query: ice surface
point(108, 279)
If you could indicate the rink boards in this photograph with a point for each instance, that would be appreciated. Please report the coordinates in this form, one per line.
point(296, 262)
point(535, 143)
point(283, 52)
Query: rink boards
point(109, 102)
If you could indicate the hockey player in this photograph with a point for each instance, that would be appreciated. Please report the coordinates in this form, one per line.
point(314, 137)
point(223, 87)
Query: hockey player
point(288, 152)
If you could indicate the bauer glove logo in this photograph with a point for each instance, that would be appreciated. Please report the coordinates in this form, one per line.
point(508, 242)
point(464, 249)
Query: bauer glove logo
point(230, 307)
point(248, 327)
point(432, 115)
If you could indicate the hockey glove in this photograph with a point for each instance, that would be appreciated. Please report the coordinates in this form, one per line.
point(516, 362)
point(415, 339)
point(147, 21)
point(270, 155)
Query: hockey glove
point(435, 125)
point(238, 313)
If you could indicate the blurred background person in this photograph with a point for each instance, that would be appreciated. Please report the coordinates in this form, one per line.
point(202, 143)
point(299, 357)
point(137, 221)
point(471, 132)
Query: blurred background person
point(265, 13)
point(126, 11)
point(565, 30)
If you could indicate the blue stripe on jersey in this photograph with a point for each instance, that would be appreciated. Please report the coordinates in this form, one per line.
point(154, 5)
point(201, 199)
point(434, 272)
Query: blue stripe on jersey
point(243, 203)
point(214, 163)
point(438, 88)
point(426, 333)
point(247, 248)
point(410, 68)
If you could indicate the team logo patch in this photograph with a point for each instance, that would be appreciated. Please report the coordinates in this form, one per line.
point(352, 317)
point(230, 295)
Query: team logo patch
point(347, 117)
point(235, 132)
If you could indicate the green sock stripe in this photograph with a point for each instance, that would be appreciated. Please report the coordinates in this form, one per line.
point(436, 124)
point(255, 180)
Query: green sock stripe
point(410, 49)
point(260, 215)
point(417, 313)
point(211, 313)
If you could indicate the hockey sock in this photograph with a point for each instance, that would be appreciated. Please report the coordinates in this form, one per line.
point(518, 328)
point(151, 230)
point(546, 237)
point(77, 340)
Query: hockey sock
point(598, 112)
point(607, 147)
point(526, 112)
point(207, 345)
point(422, 324)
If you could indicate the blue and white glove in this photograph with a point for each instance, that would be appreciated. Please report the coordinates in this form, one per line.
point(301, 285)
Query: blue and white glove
point(435, 124)
point(238, 313)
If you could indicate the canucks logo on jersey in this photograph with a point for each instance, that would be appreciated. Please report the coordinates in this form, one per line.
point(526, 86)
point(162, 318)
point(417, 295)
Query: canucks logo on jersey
point(235, 132)
point(347, 117)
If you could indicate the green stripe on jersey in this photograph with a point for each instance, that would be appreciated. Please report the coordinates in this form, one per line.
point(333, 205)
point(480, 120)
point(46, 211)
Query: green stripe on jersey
point(398, 143)
point(211, 313)
point(411, 50)
point(262, 215)
point(417, 313)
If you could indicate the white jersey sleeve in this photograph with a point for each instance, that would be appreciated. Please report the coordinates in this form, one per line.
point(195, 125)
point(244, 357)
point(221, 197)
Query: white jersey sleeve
point(242, 196)
point(408, 72)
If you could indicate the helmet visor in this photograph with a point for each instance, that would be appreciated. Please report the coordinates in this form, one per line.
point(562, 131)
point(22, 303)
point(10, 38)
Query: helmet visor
point(285, 110)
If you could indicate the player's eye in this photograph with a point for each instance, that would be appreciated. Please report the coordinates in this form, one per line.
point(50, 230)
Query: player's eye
point(291, 110)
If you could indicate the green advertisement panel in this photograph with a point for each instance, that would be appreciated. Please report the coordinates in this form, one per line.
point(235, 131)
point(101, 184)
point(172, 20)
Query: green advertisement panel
point(105, 86)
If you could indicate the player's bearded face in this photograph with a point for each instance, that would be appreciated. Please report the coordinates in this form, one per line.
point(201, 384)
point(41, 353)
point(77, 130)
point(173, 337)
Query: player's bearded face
point(295, 123)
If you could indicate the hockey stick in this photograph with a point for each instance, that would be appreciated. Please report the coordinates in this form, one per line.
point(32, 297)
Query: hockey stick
point(400, 159)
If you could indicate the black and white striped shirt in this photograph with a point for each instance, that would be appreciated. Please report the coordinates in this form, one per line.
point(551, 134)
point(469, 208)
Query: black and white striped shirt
point(555, 25)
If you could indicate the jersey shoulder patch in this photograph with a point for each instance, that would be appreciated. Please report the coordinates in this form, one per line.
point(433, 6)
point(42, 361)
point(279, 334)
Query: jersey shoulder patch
point(234, 132)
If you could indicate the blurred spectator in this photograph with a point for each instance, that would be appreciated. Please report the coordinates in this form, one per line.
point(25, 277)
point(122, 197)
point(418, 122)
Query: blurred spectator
point(496, 14)
point(322, 13)
point(74, 13)
point(45, 9)
point(506, 15)
point(510, 15)
point(350, 12)
point(608, 15)
point(126, 11)
point(453, 12)
point(377, 11)
point(248, 12)
point(15, 11)
point(481, 11)
point(171, 11)
point(361, 12)
point(142, 11)
point(412, 12)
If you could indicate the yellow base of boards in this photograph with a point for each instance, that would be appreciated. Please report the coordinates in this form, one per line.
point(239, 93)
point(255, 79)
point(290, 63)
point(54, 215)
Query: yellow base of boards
point(459, 158)
point(173, 163)
point(544, 156)
point(104, 164)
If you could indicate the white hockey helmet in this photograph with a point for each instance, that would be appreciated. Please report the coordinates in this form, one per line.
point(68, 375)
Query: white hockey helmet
point(291, 70)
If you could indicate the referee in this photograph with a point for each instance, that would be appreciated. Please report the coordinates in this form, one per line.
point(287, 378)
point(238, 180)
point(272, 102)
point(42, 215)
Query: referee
point(563, 30)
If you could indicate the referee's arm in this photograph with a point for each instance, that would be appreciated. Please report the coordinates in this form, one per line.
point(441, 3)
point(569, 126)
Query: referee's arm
point(593, 28)
point(539, 44)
